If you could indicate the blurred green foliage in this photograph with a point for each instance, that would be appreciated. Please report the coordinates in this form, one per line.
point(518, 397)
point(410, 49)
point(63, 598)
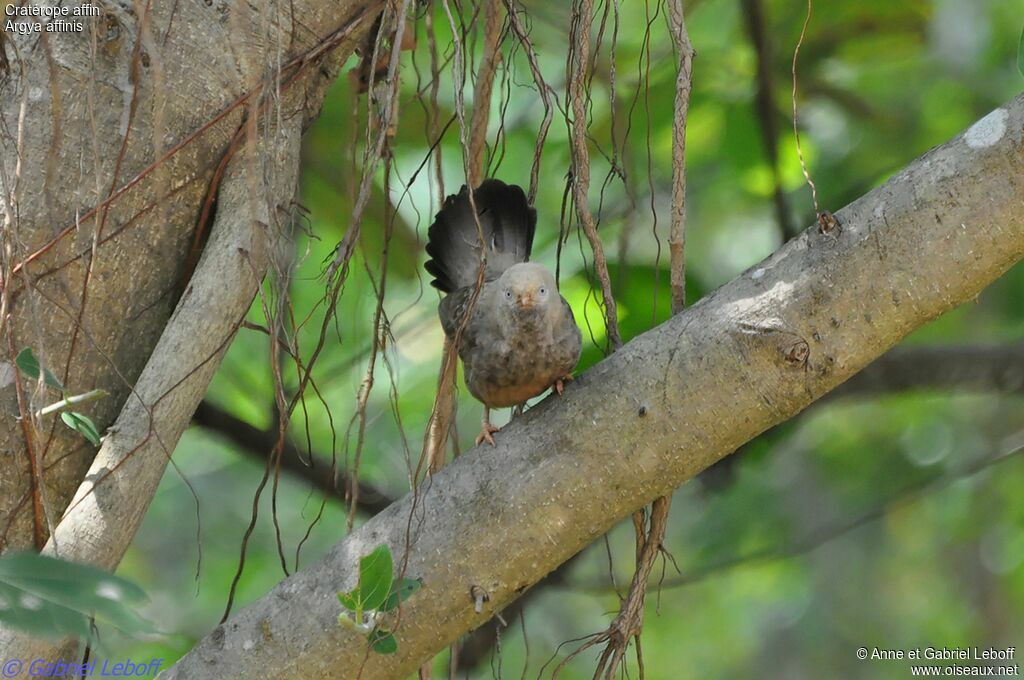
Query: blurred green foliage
point(882, 536)
point(50, 597)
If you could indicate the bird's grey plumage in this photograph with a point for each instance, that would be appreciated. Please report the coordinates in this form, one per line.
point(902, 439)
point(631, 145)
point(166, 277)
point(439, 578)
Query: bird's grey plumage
point(522, 337)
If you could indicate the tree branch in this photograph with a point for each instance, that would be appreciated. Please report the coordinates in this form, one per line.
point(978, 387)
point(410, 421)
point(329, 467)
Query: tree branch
point(259, 443)
point(972, 368)
point(965, 368)
point(667, 405)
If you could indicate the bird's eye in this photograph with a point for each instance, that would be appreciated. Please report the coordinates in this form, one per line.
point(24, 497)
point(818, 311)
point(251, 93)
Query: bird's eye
point(508, 294)
point(543, 290)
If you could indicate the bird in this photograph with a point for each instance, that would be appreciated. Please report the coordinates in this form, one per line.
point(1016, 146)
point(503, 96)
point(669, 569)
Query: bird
point(522, 337)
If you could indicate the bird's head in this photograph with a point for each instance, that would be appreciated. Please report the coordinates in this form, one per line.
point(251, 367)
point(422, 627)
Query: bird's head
point(526, 289)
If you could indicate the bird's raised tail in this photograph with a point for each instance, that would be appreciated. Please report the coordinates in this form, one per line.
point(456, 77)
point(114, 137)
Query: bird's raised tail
point(453, 241)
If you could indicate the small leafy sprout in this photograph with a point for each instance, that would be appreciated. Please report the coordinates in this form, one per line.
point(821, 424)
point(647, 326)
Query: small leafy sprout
point(82, 425)
point(376, 594)
point(30, 367)
point(383, 642)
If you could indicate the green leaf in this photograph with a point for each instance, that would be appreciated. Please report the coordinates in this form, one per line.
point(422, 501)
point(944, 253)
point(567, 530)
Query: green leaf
point(349, 601)
point(81, 424)
point(1020, 54)
point(29, 365)
point(400, 592)
point(32, 615)
point(42, 595)
point(383, 642)
point(375, 575)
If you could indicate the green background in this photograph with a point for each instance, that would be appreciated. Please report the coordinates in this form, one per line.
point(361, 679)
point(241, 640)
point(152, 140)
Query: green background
point(854, 525)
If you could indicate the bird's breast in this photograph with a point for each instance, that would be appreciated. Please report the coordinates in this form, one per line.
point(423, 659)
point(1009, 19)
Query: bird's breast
point(515, 367)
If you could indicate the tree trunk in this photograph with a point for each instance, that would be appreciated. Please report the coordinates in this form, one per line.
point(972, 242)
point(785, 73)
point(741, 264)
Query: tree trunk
point(116, 143)
point(110, 139)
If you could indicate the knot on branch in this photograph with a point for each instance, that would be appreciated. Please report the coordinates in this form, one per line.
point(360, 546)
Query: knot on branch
point(795, 351)
point(828, 224)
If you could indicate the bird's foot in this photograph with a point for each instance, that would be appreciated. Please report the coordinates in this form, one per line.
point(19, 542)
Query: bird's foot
point(486, 433)
point(559, 385)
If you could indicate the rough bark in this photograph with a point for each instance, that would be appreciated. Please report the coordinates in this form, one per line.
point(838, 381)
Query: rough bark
point(122, 117)
point(109, 505)
point(667, 405)
point(152, 117)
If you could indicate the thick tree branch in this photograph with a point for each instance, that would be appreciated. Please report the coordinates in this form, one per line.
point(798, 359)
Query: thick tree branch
point(667, 405)
point(475, 647)
point(946, 368)
point(965, 368)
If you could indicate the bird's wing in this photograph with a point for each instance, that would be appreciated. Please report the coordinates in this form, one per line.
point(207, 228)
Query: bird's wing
point(570, 331)
point(453, 308)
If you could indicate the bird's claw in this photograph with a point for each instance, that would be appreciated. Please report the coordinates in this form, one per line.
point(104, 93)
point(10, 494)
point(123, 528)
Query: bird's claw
point(486, 434)
point(560, 383)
